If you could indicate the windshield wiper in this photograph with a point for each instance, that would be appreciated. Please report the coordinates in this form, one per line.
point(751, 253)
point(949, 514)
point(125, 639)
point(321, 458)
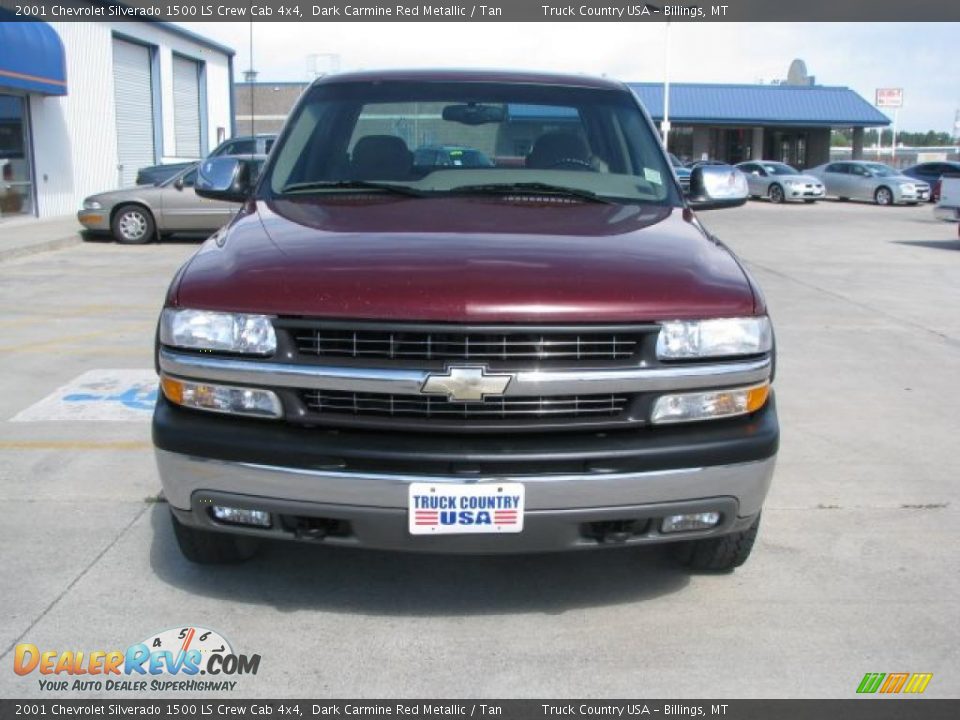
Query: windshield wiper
point(352, 185)
point(531, 188)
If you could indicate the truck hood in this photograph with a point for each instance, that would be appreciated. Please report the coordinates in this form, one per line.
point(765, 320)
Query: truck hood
point(475, 259)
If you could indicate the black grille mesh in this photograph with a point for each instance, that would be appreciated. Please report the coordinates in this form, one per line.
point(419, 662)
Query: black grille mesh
point(457, 346)
point(326, 402)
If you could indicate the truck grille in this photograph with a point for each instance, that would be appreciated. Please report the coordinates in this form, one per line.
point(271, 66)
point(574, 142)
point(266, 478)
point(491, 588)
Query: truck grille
point(517, 348)
point(327, 402)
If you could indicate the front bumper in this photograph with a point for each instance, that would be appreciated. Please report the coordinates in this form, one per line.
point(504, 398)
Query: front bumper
point(920, 194)
point(95, 220)
point(350, 488)
point(798, 193)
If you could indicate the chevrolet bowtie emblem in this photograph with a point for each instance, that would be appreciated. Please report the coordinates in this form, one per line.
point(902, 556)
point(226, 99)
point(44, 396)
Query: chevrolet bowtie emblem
point(466, 384)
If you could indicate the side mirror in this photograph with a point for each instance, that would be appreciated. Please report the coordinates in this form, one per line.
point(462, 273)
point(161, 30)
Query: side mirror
point(178, 183)
point(226, 178)
point(716, 186)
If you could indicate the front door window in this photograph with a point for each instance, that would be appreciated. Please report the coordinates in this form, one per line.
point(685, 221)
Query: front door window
point(16, 188)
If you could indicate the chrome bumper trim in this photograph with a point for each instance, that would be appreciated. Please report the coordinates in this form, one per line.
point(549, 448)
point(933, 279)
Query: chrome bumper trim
point(183, 475)
point(408, 382)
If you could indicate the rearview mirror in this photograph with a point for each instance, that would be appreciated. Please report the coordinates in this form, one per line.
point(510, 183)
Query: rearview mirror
point(716, 186)
point(226, 178)
point(475, 114)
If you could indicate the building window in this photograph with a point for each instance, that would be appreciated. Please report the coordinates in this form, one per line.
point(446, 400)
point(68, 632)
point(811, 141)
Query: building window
point(16, 183)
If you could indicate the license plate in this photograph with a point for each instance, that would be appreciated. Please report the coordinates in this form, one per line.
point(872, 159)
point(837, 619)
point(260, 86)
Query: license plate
point(459, 509)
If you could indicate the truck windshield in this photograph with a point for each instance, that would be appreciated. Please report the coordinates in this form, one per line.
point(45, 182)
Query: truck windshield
point(417, 138)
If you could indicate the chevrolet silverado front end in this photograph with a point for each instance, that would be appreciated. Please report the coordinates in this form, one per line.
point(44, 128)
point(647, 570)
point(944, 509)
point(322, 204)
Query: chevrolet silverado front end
point(550, 353)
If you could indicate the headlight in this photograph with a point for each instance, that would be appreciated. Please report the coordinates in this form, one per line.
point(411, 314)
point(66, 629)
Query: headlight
point(217, 331)
point(684, 339)
point(92, 205)
point(907, 187)
point(222, 398)
point(710, 405)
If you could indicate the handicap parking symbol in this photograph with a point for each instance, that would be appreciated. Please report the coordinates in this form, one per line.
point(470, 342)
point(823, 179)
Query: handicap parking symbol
point(122, 395)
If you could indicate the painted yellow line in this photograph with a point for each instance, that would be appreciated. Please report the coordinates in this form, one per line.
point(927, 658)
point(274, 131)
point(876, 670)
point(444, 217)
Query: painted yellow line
point(75, 445)
point(63, 340)
point(143, 351)
point(16, 323)
point(81, 311)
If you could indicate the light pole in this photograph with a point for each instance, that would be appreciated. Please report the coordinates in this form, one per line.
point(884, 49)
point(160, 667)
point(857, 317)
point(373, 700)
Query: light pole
point(665, 123)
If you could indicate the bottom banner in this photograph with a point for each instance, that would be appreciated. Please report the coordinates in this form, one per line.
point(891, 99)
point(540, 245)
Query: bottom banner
point(861, 709)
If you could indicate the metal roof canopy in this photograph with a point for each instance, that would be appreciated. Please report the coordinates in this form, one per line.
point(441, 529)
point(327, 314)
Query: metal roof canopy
point(760, 105)
point(31, 57)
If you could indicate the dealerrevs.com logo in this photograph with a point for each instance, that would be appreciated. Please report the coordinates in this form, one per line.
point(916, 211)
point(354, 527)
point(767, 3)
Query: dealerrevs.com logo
point(175, 660)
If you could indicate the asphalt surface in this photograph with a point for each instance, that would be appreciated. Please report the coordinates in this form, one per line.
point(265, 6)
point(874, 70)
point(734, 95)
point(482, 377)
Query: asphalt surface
point(855, 570)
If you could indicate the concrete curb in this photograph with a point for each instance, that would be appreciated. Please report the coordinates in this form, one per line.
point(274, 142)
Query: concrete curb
point(45, 246)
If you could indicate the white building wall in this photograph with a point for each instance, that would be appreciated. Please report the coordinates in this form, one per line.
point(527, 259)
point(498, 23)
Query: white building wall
point(73, 137)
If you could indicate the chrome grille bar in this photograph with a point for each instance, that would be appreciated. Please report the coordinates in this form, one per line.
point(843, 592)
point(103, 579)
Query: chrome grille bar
point(526, 383)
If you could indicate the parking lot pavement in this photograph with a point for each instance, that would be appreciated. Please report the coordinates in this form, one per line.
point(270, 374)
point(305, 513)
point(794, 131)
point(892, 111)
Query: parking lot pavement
point(855, 570)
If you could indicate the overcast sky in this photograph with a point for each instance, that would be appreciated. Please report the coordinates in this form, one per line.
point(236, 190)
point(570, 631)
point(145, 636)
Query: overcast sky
point(921, 58)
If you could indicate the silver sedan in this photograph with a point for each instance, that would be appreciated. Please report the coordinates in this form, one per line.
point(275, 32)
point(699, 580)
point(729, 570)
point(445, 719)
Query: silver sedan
point(138, 215)
point(860, 180)
point(780, 182)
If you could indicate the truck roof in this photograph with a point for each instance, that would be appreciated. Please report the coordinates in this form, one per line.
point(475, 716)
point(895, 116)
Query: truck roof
point(473, 75)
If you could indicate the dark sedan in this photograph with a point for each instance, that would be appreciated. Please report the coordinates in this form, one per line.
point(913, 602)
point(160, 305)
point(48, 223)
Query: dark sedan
point(931, 172)
point(244, 145)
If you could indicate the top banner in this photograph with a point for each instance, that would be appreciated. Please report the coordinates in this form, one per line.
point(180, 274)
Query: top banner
point(489, 11)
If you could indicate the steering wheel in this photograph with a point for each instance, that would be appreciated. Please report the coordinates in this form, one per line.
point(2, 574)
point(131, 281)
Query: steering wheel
point(573, 163)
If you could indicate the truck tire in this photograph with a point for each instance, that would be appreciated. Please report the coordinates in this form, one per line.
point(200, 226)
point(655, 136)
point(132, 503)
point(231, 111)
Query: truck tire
point(719, 554)
point(212, 548)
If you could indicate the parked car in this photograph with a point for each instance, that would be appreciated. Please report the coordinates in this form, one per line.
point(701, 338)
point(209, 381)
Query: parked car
point(931, 172)
point(551, 356)
point(141, 214)
point(450, 156)
point(243, 145)
point(861, 180)
point(779, 182)
point(157, 174)
point(682, 172)
point(694, 163)
point(948, 203)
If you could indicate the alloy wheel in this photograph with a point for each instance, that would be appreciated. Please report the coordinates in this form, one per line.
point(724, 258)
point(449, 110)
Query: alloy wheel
point(133, 225)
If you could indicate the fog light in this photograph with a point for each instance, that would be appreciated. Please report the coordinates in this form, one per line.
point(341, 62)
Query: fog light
point(222, 398)
point(241, 516)
point(690, 521)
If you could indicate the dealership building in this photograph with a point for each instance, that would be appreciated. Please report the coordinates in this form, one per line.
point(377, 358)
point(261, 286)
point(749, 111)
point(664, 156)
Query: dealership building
point(84, 105)
point(789, 123)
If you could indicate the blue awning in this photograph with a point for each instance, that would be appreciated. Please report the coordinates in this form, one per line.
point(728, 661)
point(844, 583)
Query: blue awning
point(760, 105)
point(31, 58)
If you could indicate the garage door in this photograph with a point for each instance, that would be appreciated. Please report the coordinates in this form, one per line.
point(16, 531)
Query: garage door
point(133, 97)
point(186, 106)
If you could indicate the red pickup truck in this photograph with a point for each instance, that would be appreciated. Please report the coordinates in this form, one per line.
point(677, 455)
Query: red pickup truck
point(543, 351)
